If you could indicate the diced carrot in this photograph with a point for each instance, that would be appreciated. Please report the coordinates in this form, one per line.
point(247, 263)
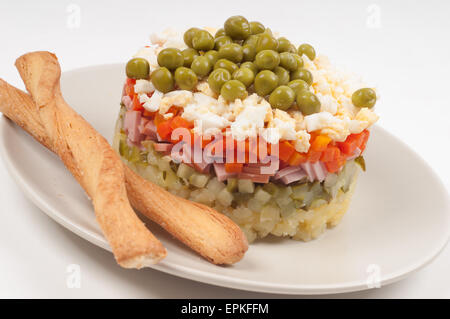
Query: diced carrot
point(286, 150)
point(332, 153)
point(131, 81)
point(349, 146)
point(158, 119)
point(136, 104)
point(164, 130)
point(364, 140)
point(320, 143)
point(313, 156)
point(297, 159)
point(173, 109)
point(233, 167)
point(332, 166)
point(178, 122)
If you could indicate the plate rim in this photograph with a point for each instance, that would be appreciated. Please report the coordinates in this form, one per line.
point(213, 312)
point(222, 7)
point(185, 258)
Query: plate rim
point(207, 277)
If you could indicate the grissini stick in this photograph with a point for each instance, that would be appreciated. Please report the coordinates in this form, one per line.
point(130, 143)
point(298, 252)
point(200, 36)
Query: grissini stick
point(209, 233)
point(92, 161)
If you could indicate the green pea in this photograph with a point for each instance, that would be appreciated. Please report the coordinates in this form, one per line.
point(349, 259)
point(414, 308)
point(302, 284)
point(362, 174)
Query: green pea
point(298, 86)
point(307, 50)
point(283, 75)
point(237, 27)
point(233, 90)
point(244, 75)
point(162, 79)
point(265, 82)
point(283, 45)
point(249, 52)
point(220, 33)
point(267, 59)
point(298, 59)
point(188, 35)
point(288, 61)
point(252, 40)
point(185, 78)
point(292, 49)
point(251, 66)
point(189, 55)
point(307, 102)
point(365, 97)
point(170, 58)
point(217, 78)
point(282, 98)
point(302, 74)
point(266, 42)
point(203, 40)
point(201, 66)
point(221, 41)
point(138, 68)
point(256, 27)
point(212, 56)
point(226, 64)
point(232, 52)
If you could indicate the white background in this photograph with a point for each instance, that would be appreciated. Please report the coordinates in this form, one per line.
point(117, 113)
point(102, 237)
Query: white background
point(401, 47)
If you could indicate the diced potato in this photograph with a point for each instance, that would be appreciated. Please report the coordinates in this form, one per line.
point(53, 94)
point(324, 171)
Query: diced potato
point(232, 184)
point(215, 186)
point(246, 186)
point(224, 197)
point(198, 180)
point(262, 196)
point(185, 171)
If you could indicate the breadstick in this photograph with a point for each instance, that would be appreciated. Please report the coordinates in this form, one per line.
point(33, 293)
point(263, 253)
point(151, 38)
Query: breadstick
point(209, 233)
point(92, 161)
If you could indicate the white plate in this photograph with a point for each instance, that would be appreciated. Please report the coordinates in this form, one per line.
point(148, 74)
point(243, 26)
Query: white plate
point(398, 221)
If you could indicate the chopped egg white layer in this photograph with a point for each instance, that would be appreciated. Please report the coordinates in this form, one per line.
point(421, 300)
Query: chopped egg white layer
point(253, 116)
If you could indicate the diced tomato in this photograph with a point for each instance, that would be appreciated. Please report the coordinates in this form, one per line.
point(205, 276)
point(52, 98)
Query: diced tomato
point(286, 149)
point(164, 130)
point(332, 153)
point(297, 159)
point(320, 143)
point(233, 167)
point(136, 104)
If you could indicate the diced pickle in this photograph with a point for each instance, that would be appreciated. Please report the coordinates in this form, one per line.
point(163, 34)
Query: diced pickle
point(271, 188)
point(232, 184)
point(225, 197)
point(361, 162)
point(262, 196)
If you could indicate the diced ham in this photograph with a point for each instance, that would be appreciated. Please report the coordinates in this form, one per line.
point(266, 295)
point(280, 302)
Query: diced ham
point(256, 178)
point(202, 167)
point(293, 177)
point(221, 174)
point(126, 100)
point(131, 125)
point(308, 170)
point(320, 171)
point(286, 171)
point(141, 126)
point(251, 169)
point(162, 147)
point(150, 130)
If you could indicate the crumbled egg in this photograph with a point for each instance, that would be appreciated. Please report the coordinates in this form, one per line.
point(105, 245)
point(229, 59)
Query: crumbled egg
point(301, 143)
point(178, 98)
point(249, 122)
point(335, 128)
point(143, 86)
point(152, 103)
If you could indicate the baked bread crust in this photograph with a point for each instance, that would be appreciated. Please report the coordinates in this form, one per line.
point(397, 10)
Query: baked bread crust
point(91, 160)
point(211, 234)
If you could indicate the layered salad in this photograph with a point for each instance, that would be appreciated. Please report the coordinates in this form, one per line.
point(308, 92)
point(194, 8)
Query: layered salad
point(245, 121)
